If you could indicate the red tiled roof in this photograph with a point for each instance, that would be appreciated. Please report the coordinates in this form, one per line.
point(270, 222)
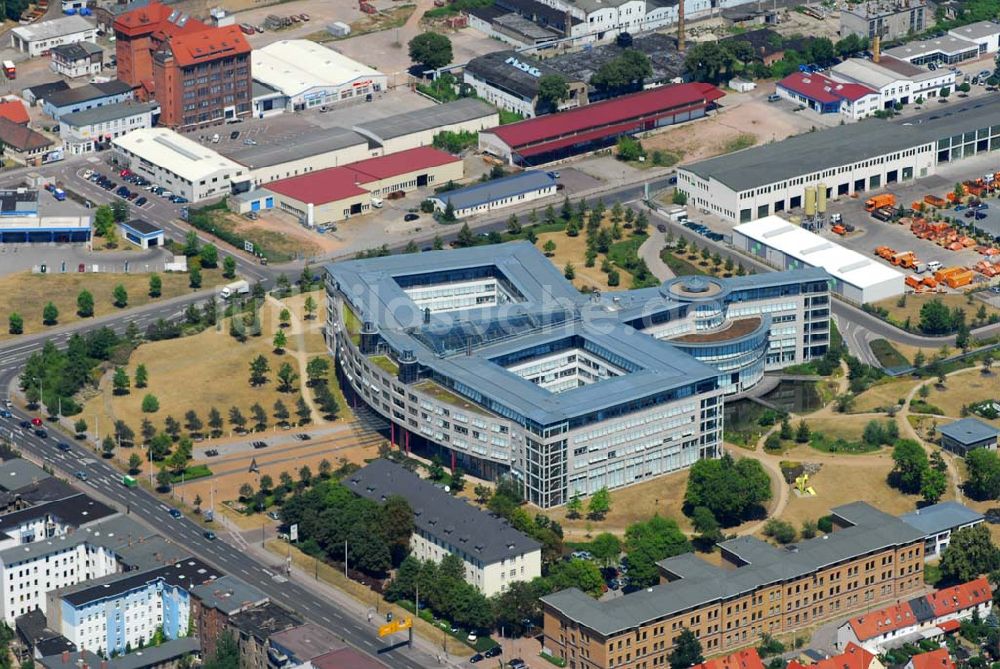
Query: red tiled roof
point(606, 113)
point(338, 183)
point(423, 157)
point(936, 659)
point(876, 623)
point(208, 44)
point(823, 89)
point(743, 659)
point(154, 17)
point(14, 110)
point(949, 626)
point(853, 657)
point(960, 597)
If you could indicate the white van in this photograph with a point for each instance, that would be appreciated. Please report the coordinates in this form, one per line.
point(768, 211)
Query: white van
point(377, 202)
point(215, 138)
point(933, 266)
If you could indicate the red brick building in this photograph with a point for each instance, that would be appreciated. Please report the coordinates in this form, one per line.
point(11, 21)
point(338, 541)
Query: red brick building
point(199, 74)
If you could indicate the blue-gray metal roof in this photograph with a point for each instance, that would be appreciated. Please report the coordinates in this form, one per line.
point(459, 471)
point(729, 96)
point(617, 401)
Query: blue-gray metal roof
point(968, 431)
point(496, 189)
point(941, 517)
point(697, 584)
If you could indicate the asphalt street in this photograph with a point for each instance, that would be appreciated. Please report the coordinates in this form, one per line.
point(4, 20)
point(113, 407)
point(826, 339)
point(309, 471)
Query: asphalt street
point(151, 510)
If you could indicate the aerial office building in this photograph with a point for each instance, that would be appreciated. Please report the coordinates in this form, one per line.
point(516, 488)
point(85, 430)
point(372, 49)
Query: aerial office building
point(489, 357)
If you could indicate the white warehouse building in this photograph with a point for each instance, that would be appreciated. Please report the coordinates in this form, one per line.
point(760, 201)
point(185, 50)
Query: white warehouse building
point(308, 74)
point(856, 278)
point(744, 186)
point(181, 165)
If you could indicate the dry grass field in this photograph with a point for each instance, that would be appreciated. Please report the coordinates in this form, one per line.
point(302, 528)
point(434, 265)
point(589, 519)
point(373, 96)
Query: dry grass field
point(28, 293)
point(574, 250)
point(962, 389)
point(882, 394)
point(914, 303)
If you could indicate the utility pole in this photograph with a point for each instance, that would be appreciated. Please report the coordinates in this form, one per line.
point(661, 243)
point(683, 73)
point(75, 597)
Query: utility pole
point(345, 559)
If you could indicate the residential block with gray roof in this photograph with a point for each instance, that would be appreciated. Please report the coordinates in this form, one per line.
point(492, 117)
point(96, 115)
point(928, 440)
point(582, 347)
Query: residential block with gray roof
point(938, 522)
point(846, 160)
point(494, 553)
point(870, 557)
point(961, 436)
point(488, 357)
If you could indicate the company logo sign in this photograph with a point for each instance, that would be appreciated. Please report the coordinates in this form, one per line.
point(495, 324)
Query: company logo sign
point(524, 67)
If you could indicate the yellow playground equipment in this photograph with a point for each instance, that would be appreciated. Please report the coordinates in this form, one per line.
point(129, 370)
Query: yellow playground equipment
point(802, 485)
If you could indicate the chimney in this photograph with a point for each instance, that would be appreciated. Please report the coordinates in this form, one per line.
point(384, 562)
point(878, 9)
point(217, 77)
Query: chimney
point(680, 26)
point(876, 48)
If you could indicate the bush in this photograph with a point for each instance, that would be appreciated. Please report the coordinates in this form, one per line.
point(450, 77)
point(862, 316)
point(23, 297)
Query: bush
point(825, 524)
point(150, 404)
point(780, 530)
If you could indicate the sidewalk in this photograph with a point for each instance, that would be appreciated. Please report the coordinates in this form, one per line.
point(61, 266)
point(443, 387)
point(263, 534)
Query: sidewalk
point(427, 651)
point(650, 252)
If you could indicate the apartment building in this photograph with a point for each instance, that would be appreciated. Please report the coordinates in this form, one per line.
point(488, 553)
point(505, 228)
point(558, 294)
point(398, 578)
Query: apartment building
point(490, 357)
point(870, 558)
point(494, 553)
point(87, 131)
point(126, 610)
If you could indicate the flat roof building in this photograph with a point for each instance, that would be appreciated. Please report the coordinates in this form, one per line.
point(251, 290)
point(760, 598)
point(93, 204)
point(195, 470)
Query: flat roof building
point(856, 278)
point(417, 128)
point(961, 436)
point(498, 340)
point(143, 234)
point(888, 19)
point(984, 33)
point(555, 136)
point(948, 50)
point(178, 163)
point(87, 131)
point(750, 184)
point(510, 81)
point(308, 74)
point(37, 39)
point(213, 603)
point(488, 546)
point(85, 97)
point(483, 198)
point(938, 522)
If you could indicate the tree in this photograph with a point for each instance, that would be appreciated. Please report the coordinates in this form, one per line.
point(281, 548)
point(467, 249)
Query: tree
point(732, 490)
point(803, 433)
point(50, 315)
point(574, 508)
point(134, 463)
point(280, 340)
point(141, 376)
point(80, 427)
point(317, 370)
point(159, 446)
point(209, 256)
point(193, 422)
point(707, 526)
point(85, 304)
point(686, 652)
point(708, 61)
point(229, 267)
point(163, 479)
point(935, 318)
point(15, 324)
point(983, 480)
point(576, 573)
point(237, 419)
point(147, 429)
point(569, 271)
point(281, 413)
point(155, 285)
point(431, 50)
point(119, 209)
point(259, 417)
point(120, 296)
point(599, 504)
point(302, 411)
point(606, 548)
point(549, 247)
point(172, 427)
point(120, 381)
point(629, 148)
point(286, 378)
point(552, 90)
point(284, 318)
point(933, 486)
point(910, 466)
point(648, 542)
point(245, 492)
point(150, 404)
point(104, 221)
point(970, 552)
point(465, 237)
point(214, 422)
point(781, 531)
point(258, 371)
point(310, 307)
point(194, 277)
point(627, 71)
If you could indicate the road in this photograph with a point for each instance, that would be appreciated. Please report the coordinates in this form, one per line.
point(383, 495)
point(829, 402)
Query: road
point(148, 508)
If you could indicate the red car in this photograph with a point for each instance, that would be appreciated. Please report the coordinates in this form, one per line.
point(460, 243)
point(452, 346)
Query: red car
point(125, 173)
point(36, 421)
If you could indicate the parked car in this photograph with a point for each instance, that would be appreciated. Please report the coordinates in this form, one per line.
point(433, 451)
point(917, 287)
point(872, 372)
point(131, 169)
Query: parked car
point(212, 452)
point(478, 657)
point(661, 227)
point(493, 651)
point(773, 97)
point(234, 134)
point(304, 17)
point(411, 217)
point(273, 515)
point(141, 201)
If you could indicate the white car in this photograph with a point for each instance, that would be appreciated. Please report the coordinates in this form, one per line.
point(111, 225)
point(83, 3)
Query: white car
point(88, 173)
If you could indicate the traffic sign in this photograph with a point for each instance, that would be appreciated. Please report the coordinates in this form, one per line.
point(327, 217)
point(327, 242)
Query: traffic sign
point(248, 246)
